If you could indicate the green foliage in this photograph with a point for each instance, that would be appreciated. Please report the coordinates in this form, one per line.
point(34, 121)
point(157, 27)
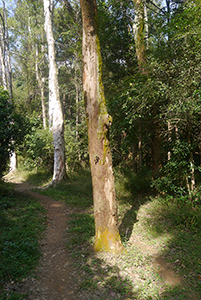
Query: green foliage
point(176, 170)
point(76, 147)
point(6, 129)
point(12, 296)
point(139, 182)
point(27, 34)
point(21, 127)
point(37, 148)
point(21, 222)
point(76, 191)
point(180, 211)
point(82, 229)
point(115, 21)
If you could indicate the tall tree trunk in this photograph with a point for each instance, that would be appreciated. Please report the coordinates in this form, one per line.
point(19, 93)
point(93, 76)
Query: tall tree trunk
point(77, 110)
point(7, 73)
point(2, 53)
point(146, 23)
point(192, 172)
point(107, 236)
point(140, 145)
point(134, 161)
point(190, 187)
point(139, 34)
point(140, 45)
point(8, 63)
point(155, 142)
point(55, 108)
point(169, 138)
point(41, 83)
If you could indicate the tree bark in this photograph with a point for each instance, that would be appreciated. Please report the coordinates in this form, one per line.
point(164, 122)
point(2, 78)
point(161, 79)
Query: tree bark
point(190, 187)
point(139, 34)
point(155, 142)
point(41, 83)
point(6, 70)
point(55, 108)
point(2, 53)
point(134, 161)
point(8, 63)
point(107, 236)
point(140, 145)
point(169, 139)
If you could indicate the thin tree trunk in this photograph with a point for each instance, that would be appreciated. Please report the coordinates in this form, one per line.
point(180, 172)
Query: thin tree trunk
point(146, 23)
point(2, 54)
point(77, 109)
point(55, 108)
point(107, 236)
point(155, 142)
point(6, 70)
point(134, 162)
point(192, 172)
point(41, 83)
point(13, 161)
point(140, 146)
point(140, 45)
point(191, 187)
point(169, 138)
point(8, 63)
point(42, 92)
point(53, 79)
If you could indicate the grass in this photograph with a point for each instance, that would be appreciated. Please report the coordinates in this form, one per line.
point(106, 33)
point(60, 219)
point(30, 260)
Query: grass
point(161, 235)
point(76, 191)
point(36, 177)
point(21, 223)
point(153, 229)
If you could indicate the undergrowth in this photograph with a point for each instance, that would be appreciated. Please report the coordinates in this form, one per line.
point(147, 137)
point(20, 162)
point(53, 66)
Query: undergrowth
point(21, 223)
point(152, 228)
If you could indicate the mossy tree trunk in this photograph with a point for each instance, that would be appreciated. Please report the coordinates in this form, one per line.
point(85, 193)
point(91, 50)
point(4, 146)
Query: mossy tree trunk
point(107, 236)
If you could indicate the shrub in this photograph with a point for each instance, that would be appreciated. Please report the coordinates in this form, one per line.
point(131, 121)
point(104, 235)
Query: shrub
point(76, 147)
point(37, 148)
point(5, 129)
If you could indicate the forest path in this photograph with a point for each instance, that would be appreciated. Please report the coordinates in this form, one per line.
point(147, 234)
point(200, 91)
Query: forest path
point(58, 279)
point(54, 275)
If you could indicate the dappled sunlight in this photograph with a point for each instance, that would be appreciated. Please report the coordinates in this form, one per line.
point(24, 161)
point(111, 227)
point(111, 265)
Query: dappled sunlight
point(164, 251)
point(56, 205)
point(165, 271)
point(159, 258)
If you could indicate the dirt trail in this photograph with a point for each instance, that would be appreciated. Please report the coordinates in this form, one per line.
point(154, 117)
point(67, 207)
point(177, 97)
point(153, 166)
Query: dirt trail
point(55, 271)
point(163, 268)
point(55, 275)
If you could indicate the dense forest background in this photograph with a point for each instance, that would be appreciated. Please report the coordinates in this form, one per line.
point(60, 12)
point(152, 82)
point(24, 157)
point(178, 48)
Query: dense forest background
point(156, 114)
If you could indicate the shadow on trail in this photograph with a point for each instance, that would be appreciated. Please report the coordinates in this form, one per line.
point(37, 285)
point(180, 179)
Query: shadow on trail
point(128, 221)
point(178, 263)
point(130, 217)
point(136, 189)
point(171, 220)
point(97, 278)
